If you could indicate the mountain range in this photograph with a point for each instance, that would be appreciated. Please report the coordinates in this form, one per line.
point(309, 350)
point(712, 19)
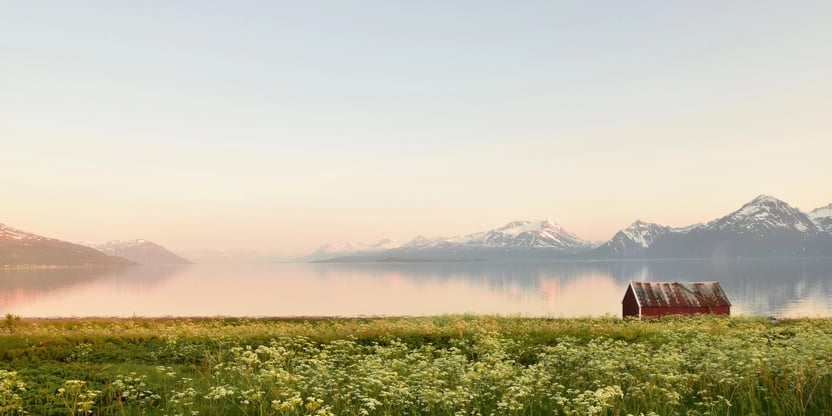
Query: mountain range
point(24, 249)
point(139, 251)
point(329, 250)
point(763, 227)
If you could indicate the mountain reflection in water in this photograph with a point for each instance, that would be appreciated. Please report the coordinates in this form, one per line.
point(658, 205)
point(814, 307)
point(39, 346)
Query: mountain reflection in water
point(781, 287)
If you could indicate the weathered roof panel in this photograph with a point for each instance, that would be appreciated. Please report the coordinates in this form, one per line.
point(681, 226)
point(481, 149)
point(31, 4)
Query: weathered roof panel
point(679, 294)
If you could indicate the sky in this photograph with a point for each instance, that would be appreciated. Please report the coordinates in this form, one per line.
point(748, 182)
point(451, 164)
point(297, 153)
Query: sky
point(284, 125)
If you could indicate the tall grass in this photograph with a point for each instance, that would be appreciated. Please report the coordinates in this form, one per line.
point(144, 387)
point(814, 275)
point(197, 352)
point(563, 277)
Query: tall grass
point(446, 365)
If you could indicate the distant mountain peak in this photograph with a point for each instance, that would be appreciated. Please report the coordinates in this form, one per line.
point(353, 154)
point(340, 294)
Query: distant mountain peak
point(520, 234)
point(513, 224)
point(822, 217)
point(763, 199)
point(764, 202)
point(420, 240)
point(768, 203)
point(642, 224)
point(764, 214)
point(521, 226)
point(548, 223)
point(822, 210)
point(636, 237)
point(141, 251)
point(387, 243)
point(351, 248)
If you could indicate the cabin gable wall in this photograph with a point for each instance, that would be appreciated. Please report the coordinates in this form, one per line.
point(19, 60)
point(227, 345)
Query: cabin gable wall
point(629, 306)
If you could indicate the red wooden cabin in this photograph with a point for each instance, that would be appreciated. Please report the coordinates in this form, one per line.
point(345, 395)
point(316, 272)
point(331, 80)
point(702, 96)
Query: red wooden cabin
point(674, 298)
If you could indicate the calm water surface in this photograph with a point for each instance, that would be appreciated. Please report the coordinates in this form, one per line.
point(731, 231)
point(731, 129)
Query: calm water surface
point(783, 288)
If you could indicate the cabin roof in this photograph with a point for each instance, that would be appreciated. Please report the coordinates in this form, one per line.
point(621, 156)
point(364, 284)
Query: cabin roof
point(679, 294)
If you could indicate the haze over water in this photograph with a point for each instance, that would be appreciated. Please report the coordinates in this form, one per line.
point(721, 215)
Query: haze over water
point(782, 288)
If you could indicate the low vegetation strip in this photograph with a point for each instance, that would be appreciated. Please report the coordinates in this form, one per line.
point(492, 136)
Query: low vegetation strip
point(445, 365)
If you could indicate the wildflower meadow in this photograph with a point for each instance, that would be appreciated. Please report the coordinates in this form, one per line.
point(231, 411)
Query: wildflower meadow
point(444, 365)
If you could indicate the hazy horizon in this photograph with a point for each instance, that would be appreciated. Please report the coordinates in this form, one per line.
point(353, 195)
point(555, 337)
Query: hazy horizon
point(284, 126)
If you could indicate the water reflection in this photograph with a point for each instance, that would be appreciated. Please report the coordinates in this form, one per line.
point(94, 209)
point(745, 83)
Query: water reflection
point(759, 287)
point(22, 287)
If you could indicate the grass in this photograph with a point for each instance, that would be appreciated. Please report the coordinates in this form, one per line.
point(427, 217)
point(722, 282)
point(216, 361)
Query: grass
point(446, 365)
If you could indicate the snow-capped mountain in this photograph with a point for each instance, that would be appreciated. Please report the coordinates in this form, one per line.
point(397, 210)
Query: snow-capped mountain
point(140, 251)
point(422, 241)
point(822, 217)
point(9, 234)
point(635, 238)
point(764, 214)
point(516, 239)
point(763, 227)
point(545, 234)
point(352, 249)
point(20, 248)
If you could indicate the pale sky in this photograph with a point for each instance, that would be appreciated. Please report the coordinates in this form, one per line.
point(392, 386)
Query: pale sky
point(282, 126)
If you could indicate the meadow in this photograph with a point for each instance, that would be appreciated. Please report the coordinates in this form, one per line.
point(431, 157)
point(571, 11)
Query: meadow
point(443, 365)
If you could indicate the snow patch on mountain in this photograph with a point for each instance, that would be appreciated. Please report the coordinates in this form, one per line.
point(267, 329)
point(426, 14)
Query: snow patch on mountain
point(688, 228)
point(13, 234)
point(643, 233)
point(123, 244)
point(421, 241)
point(822, 217)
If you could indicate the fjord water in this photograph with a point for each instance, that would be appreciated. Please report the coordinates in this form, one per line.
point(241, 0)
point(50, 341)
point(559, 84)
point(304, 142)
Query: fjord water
point(767, 287)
